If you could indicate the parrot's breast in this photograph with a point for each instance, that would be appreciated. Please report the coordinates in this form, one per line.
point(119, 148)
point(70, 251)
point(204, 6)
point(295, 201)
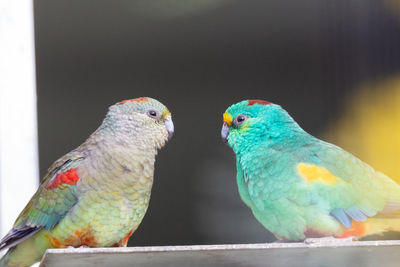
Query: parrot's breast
point(114, 193)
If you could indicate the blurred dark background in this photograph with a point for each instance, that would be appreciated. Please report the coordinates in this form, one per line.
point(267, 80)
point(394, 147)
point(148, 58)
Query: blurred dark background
point(199, 57)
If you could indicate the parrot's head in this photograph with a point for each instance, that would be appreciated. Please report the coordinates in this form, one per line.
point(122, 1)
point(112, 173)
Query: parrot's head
point(143, 120)
point(251, 122)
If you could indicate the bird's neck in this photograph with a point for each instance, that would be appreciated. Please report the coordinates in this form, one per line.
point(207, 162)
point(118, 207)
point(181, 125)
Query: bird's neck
point(274, 139)
point(126, 152)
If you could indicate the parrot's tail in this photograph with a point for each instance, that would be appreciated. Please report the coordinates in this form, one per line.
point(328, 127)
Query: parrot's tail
point(18, 258)
point(25, 253)
point(372, 226)
point(5, 259)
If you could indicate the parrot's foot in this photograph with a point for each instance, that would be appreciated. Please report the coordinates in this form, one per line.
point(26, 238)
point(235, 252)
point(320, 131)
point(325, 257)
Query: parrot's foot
point(78, 247)
point(329, 239)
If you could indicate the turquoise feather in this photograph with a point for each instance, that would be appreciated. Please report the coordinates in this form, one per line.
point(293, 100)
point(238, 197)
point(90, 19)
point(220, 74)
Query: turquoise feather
point(299, 186)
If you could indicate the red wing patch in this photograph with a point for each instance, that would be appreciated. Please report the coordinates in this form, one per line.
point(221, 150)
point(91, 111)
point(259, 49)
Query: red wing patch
point(68, 177)
point(138, 100)
point(258, 101)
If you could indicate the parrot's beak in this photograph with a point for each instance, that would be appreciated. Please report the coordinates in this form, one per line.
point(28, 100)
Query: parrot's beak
point(169, 125)
point(225, 132)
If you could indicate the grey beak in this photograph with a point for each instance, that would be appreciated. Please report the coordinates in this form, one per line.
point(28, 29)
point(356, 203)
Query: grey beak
point(169, 125)
point(225, 132)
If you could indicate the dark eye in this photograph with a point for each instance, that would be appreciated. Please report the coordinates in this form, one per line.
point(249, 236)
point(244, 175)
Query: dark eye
point(240, 119)
point(152, 113)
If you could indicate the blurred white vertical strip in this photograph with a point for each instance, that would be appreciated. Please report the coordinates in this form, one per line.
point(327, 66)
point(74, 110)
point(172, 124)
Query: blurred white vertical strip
point(18, 119)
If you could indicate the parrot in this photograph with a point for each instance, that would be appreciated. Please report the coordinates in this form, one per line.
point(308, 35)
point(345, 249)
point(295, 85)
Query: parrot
point(97, 194)
point(300, 187)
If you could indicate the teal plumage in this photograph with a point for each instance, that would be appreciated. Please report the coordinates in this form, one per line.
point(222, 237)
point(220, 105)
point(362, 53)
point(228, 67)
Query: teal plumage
point(97, 194)
point(299, 186)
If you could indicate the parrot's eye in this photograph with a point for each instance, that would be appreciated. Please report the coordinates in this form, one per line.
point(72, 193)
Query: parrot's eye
point(152, 113)
point(240, 119)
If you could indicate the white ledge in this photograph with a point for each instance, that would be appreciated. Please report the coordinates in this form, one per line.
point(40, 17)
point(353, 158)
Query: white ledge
point(323, 253)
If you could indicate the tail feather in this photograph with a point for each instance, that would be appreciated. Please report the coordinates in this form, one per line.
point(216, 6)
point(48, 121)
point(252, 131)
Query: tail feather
point(379, 226)
point(371, 226)
point(5, 259)
point(391, 211)
point(16, 236)
point(27, 252)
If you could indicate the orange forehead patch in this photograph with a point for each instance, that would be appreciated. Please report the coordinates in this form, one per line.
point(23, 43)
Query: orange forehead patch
point(258, 101)
point(138, 100)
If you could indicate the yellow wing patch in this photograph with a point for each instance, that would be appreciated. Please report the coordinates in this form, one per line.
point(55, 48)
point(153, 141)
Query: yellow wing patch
point(314, 173)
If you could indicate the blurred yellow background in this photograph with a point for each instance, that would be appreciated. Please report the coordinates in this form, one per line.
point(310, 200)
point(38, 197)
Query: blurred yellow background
point(369, 125)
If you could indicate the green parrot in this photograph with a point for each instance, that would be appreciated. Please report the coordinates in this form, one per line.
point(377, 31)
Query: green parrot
point(300, 187)
point(97, 194)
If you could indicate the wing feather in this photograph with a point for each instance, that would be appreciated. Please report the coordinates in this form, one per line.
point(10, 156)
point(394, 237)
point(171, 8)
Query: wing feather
point(54, 198)
point(367, 193)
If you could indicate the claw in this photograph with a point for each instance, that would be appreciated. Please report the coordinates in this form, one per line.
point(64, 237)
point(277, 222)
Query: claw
point(83, 246)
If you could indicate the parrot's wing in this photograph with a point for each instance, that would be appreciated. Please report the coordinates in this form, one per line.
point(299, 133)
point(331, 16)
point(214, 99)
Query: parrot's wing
point(54, 198)
point(354, 189)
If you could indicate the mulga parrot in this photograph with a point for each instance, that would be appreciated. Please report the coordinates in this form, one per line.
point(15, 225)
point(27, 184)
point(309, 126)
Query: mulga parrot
point(97, 194)
point(300, 187)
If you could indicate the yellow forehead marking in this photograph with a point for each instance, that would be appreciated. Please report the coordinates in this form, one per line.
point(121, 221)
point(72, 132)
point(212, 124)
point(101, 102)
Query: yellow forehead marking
point(166, 113)
point(313, 173)
point(227, 118)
